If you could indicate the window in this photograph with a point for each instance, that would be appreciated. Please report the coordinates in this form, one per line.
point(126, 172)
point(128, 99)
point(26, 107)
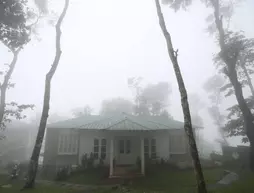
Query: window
point(121, 146)
point(153, 148)
point(75, 141)
point(61, 145)
point(68, 143)
point(103, 148)
point(146, 148)
point(177, 144)
point(65, 143)
point(124, 146)
point(96, 148)
point(128, 146)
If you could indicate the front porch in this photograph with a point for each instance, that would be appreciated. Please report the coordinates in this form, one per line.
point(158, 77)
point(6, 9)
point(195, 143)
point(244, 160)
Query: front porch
point(126, 157)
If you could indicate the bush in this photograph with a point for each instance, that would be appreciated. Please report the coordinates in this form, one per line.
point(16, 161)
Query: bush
point(138, 162)
point(84, 161)
point(62, 174)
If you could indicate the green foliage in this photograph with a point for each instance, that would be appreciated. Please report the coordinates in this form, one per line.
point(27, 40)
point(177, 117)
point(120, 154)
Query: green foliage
point(84, 161)
point(235, 121)
point(177, 4)
point(14, 31)
point(62, 174)
point(42, 5)
point(138, 162)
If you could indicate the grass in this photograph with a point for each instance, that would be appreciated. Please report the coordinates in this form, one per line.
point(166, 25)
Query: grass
point(157, 180)
point(174, 180)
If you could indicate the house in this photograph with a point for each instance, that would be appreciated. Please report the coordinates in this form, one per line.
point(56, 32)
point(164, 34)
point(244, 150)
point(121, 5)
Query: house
point(118, 140)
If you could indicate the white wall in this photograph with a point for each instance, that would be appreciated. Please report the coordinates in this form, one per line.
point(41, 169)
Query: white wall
point(162, 141)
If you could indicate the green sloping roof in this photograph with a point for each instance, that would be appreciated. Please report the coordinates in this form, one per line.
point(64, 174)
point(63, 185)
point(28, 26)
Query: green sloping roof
point(119, 122)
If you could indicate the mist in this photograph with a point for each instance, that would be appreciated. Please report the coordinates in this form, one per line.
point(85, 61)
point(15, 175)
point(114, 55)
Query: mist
point(104, 44)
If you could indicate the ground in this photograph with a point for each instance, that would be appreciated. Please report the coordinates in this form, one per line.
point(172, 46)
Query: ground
point(159, 181)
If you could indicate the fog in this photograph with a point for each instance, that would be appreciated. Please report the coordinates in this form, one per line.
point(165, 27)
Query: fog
point(106, 42)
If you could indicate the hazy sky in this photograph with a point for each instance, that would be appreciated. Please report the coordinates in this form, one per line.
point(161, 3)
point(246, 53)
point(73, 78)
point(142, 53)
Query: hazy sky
point(105, 42)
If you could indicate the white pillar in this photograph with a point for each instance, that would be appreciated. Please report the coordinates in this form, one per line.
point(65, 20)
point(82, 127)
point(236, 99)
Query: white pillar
point(142, 156)
point(111, 167)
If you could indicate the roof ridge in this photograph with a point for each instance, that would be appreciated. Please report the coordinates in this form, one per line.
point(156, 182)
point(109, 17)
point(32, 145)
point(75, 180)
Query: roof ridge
point(158, 123)
point(115, 124)
point(95, 122)
point(137, 123)
point(155, 122)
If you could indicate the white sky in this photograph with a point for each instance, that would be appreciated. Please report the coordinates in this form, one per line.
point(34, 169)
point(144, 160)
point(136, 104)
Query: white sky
point(106, 42)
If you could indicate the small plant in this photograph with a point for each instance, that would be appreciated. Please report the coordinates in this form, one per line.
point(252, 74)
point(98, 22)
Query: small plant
point(84, 161)
point(62, 174)
point(90, 162)
point(138, 162)
point(162, 162)
point(101, 163)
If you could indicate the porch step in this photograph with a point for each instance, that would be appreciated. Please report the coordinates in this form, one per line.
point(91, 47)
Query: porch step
point(127, 176)
point(126, 172)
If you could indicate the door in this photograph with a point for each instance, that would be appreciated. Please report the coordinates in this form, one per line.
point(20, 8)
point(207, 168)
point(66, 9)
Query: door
point(125, 151)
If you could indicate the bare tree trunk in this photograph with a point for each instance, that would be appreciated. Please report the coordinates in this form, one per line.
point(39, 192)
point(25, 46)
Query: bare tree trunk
point(247, 77)
point(33, 165)
point(184, 100)
point(230, 71)
point(4, 85)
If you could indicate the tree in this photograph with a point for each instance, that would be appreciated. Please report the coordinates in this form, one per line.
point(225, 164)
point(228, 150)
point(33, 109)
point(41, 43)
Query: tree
point(157, 97)
point(79, 112)
point(235, 121)
point(230, 49)
point(116, 106)
point(151, 99)
point(213, 86)
point(140, 103)
point(173, 55)
point(244, 61)
point(14, 34)
point(33, 165)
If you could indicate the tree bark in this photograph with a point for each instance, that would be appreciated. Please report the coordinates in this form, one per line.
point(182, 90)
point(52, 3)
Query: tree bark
point(33, 165)
point(247, 77)
point(201, 185)
point(230, 71)
point(4, 85)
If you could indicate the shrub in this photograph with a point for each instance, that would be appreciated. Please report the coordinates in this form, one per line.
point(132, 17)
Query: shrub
point(84, 161)
point(90, 162)
point(101, 163)
point(138, 162)
point(62, 174)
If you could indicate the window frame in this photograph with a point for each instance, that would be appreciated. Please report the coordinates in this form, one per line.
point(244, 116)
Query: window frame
point(103, 154)
point(146, 145)
point(96, 146)
point(153, 145)
point(67, 144)
point(127, 146)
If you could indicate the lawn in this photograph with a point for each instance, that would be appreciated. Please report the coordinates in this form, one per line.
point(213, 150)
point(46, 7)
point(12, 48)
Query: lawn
point(159, 181)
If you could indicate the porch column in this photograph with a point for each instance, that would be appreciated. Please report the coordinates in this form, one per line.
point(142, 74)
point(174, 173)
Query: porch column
point(142, 156)
point(111, 167)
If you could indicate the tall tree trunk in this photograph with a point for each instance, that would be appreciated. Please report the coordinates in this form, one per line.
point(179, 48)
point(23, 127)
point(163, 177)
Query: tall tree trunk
point(247, 77)
point(33, 165)
point(4, 85)
point(184, 100)
point(230, 71)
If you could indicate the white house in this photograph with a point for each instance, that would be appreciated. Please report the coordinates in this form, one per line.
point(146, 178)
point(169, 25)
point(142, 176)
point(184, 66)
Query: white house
point(119, 139)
